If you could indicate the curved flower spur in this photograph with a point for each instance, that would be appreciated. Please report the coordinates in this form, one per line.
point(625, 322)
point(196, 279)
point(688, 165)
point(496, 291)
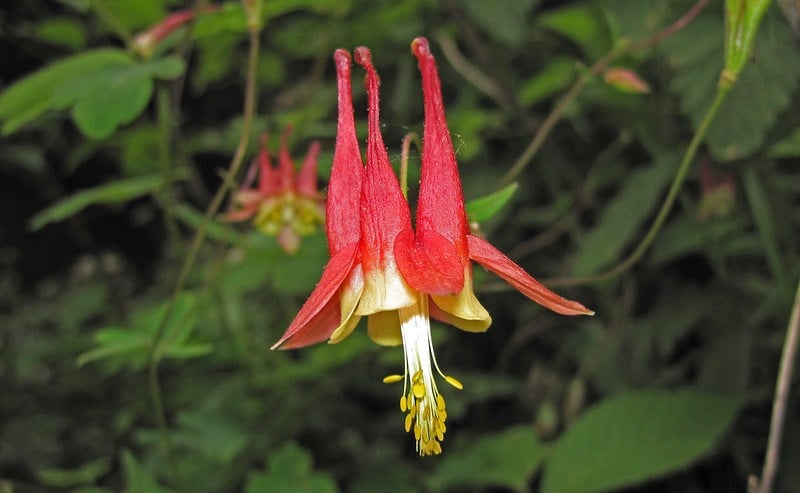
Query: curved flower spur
point(397, 274)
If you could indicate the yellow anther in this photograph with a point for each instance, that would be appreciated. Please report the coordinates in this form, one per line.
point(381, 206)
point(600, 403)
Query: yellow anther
point(417, 376)
point(403, 403)
point(393, 378)
point(440, 402)
point(409, 401)
point(409, 418)
point(419, 390)
point(454, 382)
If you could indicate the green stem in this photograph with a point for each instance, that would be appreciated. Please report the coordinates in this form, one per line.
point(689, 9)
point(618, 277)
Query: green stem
point(666, 206)
point(620, 49)
point(410, 137)
point(154, 356)
point(555, 115)
point(164, 109)
point(782, 387)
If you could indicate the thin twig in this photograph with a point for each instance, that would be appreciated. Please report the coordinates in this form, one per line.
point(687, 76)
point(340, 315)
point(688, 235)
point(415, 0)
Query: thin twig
point(666, 206)
point(782, 387)
point(469, 71)
point(154, 356)
point(558, 110)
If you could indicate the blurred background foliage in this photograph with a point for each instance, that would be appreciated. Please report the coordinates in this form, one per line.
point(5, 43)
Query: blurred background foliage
point(109, 156)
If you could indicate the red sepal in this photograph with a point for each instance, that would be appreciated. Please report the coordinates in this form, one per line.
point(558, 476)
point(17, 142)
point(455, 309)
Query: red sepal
point(493, 260)
point(429, 262)
point(313, 322)
point(344, 189)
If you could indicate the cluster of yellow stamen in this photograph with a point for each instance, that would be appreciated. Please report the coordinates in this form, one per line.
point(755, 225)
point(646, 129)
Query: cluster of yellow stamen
point(299, 213)
point(421, 400)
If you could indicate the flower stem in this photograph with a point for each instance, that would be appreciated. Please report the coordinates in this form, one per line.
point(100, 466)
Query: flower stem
point(410, 137)
point(782, 387)
point(622, 48)
point(154, 356)
point(164, 109)
point(666, 206)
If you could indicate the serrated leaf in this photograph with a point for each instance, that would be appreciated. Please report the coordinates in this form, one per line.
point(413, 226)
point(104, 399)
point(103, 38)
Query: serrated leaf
point(635, 437)
point(623, 216)
point(31, 96)
point(290, 469)
point(763, 89)
point(484, 208)
point(111, 193)
point(508, 458)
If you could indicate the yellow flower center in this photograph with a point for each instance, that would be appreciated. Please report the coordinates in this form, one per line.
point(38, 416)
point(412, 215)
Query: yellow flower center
point(301, 214)
point(421, 400)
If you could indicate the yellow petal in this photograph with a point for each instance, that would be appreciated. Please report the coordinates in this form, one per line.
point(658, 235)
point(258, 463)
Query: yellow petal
point(349, 298)
point(384, 328)
point(384, 290)
point(463, 309)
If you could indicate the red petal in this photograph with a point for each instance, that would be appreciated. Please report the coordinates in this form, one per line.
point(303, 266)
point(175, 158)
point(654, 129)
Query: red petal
point(441, 202)
point(318, 330)
point(488, 256)
point(384, 210)
point(344, 189)
point(308, 324)
point(285, 165)
point(307, 178)
point(267, 177)
point(429, 262)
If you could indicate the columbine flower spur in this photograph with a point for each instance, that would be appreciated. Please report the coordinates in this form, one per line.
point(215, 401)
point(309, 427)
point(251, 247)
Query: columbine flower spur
point(396, 274)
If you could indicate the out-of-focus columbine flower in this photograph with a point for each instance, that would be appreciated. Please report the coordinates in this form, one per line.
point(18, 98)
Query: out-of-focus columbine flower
point(281, 203)
point(396, 274)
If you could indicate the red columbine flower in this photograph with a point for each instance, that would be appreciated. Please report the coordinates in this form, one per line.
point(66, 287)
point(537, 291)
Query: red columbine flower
point(395, 274)
point(282, 204)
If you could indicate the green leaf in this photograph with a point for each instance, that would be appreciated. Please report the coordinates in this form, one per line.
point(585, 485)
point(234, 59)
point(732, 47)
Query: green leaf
point(62, 31)
point(552, 79)
point(86, 473)
point(484, 208)
point(507, 459)
point(132, 343)
point(585, 26)
point(113, 96)
point(506, 21)
point(216, 230)
point(31, 96)
point(765, 224)
point(763, 89)
point(634, 437)
point(137, 478)
point(622, 217)
point(787, 147)
point(290, 469)
point(111, 193)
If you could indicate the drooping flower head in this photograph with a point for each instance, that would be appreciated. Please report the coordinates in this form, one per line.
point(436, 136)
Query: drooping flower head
point(282, 203)
point(400, 274)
